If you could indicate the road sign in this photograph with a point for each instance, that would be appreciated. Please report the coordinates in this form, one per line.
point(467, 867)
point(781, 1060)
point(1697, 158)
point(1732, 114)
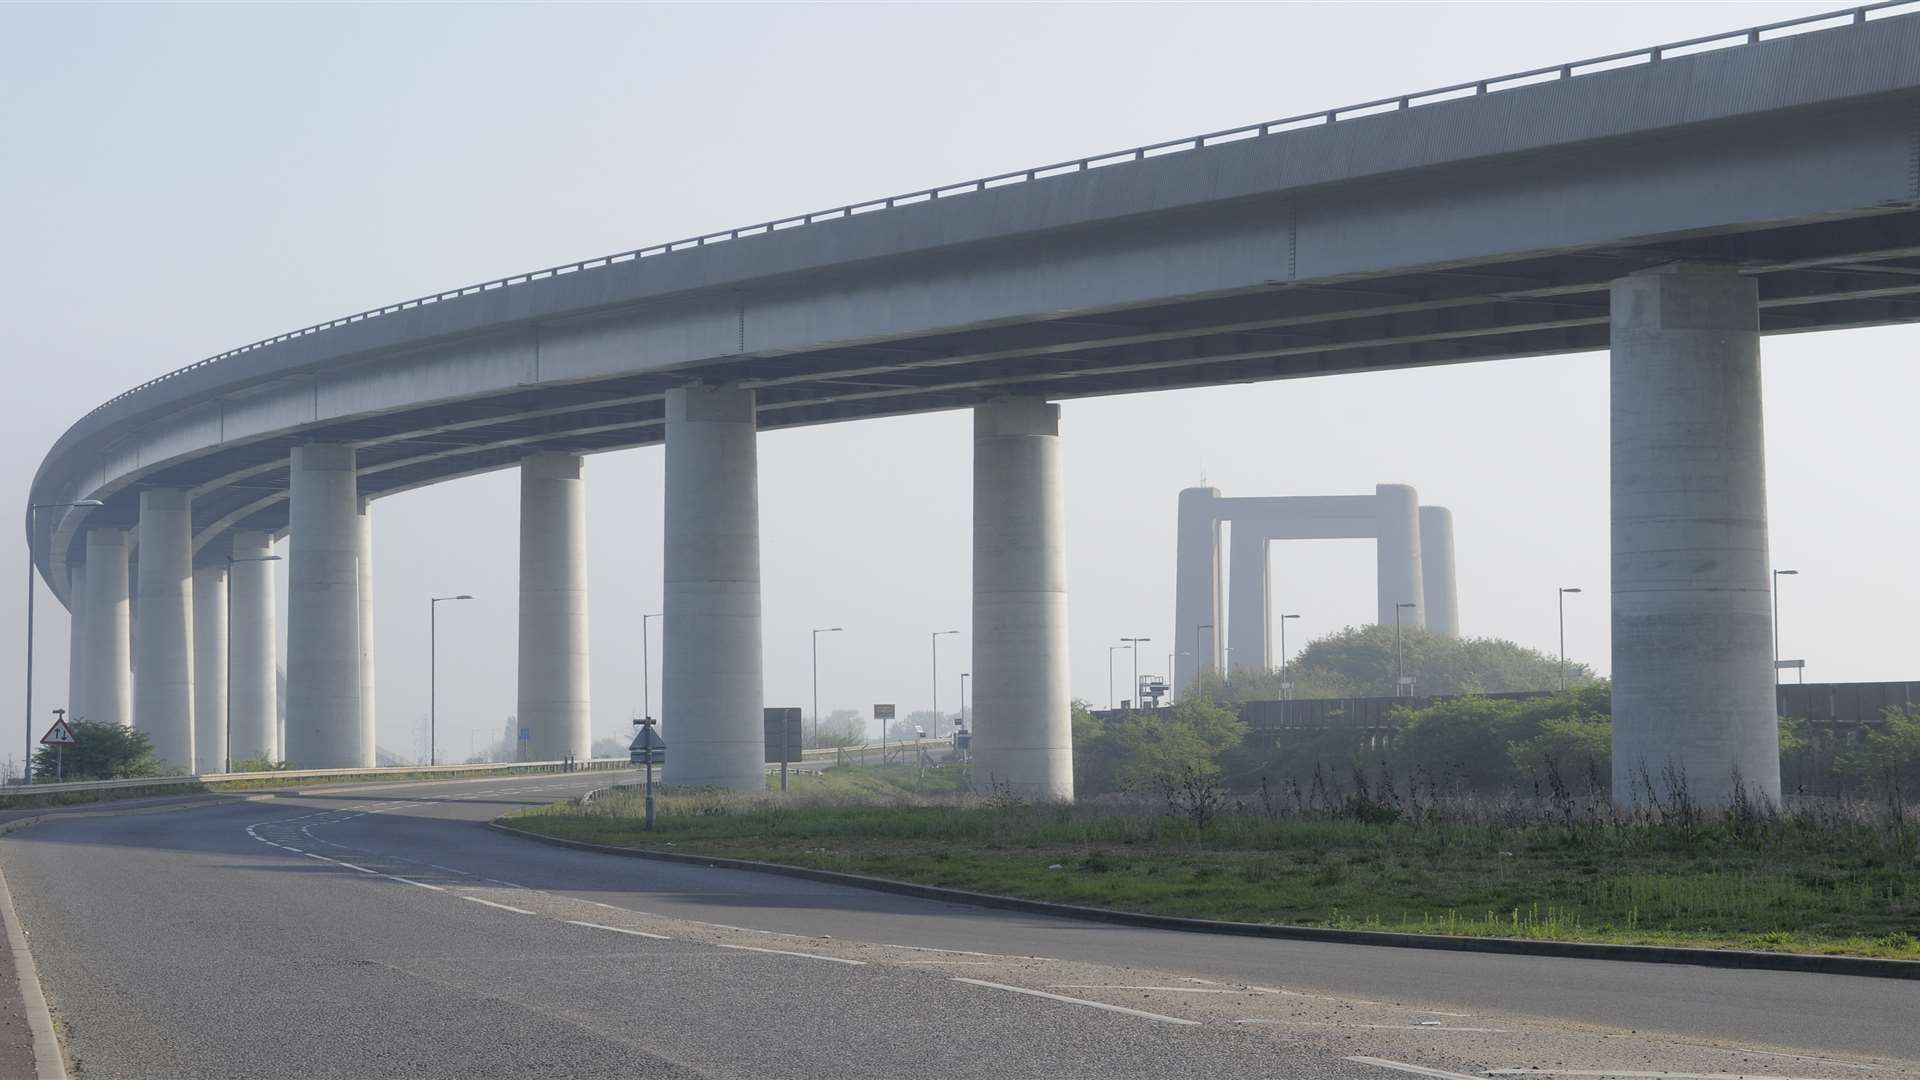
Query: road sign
point(1789, 665)
point(58, 735)
point(783, 734)
point(883, 712)
point(647, 748)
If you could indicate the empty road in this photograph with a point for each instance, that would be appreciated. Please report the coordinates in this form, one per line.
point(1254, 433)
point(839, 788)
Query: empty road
point(384, 931)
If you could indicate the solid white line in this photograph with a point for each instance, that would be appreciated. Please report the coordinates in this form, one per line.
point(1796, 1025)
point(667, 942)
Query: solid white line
point(1642, 1075)
point(1417, 1070)
point(410, 881)
point(784, 952)
point(47, 1062)
point(1081, 1001)
point(362, 869)
point(616, 929)
point(1162, 989)
point(502, 907)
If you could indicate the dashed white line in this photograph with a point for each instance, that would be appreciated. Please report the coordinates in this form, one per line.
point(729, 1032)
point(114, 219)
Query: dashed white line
point(1417, 1070)
point(616, 929)
point(1090, 1004)
point(502, 907)
point(410, 881)
point(1162, 989)
point(785, 952)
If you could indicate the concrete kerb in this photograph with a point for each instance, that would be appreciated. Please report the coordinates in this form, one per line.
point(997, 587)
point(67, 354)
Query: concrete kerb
point(1745, 959)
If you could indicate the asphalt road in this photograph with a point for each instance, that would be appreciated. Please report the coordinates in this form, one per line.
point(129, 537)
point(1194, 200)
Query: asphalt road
point(384, 931)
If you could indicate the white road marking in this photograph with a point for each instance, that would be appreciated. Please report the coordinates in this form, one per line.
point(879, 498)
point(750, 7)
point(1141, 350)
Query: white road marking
point(1417, 1070)
point(410, 881)
point(1162, 989)
point(950, 963)
point(502, 907)
point(953, 952)
point(362, 869)
point(616, 929)
point(784, 952)
point(449, 869)
point(1142, 1013)
point(1640, 1075)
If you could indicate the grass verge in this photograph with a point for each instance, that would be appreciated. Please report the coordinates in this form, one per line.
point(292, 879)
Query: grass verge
point(1828, 883)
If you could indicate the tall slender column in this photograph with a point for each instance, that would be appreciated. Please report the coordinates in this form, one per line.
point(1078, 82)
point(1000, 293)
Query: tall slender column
point(77, 641)
point(1248, 597)
point(1692, 641)
point(210, 667)
point(323, 610)
point(163, 633)
point(255, 704)
point(1436, 571)
point(1022, 704)
point(369, 730)
point(1196, 587)
point(1397, 554)
point(108, 695)
point(553, 607)
point(712, 697)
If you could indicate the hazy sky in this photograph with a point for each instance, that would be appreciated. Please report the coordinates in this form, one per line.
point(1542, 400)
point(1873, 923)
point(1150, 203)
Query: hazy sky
point(180, 180)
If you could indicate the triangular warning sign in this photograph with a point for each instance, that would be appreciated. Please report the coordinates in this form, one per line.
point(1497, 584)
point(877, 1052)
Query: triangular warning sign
point(58, 735)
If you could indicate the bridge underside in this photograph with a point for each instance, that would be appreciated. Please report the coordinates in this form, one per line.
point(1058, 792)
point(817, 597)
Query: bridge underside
point(1859, 271)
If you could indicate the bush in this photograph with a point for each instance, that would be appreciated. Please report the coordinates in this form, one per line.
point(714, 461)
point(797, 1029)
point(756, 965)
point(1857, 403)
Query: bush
point(100, 752)
point(1889, 755)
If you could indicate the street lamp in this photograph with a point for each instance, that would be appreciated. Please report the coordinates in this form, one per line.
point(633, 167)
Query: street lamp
point(816, 677)
point(33, 512)
point(1286, 688)
point(231, 560)
point(1198, 664)
point(1397, 684)
point(1135, 643)
point(433, 673)
point(646, 669)
point(964, 676)
point(1563, 639)
point(936, 636)
point(1111, 649)
point(1777, 575)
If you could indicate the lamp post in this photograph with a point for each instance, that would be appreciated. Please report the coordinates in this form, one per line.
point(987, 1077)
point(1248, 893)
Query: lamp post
point(1286, 688)
point(1777, 575)
point(231, 560)
point(1111, 649)
point(936, 636)
point(646, 669)
point(1199, 664)
point(433, 674)
point(816, 676)
point(1563, 639)
point(964, 676)
point(33, 513)
point(1135, 643)
point(1397, 684)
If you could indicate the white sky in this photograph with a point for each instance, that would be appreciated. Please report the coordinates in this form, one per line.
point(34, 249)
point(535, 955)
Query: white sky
point(180, 180)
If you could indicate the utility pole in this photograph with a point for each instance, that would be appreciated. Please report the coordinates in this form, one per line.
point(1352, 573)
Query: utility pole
point(1134, 643)
point(1563, 641)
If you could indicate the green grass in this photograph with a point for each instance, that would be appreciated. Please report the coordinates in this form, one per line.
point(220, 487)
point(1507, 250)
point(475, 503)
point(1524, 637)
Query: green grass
point(1832, 886)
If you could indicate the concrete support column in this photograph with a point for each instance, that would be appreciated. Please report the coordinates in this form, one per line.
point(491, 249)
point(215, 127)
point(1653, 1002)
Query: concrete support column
point(1248, 598)
point(255, 703)
point(108, 695)
point(553, 607)
point(163, 630)
point(1692, 641)
point(712, 695)
point(1022, 703)
point(1442, 602)
point(323, 610)
point(76, 641)
point(1196, 587)
point(210, 667)
point(363, 549)
point(1397, 552)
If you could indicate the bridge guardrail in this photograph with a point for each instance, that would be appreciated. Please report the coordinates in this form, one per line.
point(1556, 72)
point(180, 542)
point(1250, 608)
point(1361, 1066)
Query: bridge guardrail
point(1751, 35)
point(502, 769)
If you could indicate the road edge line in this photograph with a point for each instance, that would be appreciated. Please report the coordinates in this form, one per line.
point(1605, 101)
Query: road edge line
point(1743, 959)
point(48, 1062)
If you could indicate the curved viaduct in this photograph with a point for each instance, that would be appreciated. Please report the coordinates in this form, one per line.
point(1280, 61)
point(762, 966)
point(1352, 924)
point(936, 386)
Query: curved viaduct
point(1673, 204)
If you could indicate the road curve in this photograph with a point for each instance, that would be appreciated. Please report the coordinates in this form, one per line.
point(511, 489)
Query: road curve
point(383, 931)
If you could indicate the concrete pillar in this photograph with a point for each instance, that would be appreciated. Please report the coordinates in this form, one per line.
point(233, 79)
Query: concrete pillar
point(553, 607)
point(1692, 638)
point(323, 610)
point(1249, 599)
point(1022, 703)
point(163, 631)
point(363, 548)
point(108, 695)
point(210, 667)
point(1397, 551)
point(712, 694)
point(1196, 587)
point(76, 641)
point(1442, 601)
point(255, 703)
